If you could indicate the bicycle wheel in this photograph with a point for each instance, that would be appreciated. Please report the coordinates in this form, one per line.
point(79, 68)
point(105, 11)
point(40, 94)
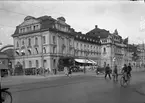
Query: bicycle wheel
point(123, 82)
point(6, 96)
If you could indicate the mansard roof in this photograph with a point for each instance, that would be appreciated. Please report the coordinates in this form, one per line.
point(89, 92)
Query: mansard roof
point(86, 38)
point(47, 22)
point(97, 32)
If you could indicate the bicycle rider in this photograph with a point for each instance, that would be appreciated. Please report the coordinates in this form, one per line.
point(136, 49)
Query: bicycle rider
point(125, 71)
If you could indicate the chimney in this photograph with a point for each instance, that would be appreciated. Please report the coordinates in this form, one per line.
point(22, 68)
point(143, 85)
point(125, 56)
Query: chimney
point(96, 26)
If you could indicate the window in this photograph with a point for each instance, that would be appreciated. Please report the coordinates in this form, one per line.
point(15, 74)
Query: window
point(44, 39)
point(29, 42)
point(104, 50)
point(53, 49)
point(23, 42)
point(23, 29)
point(37, 64)
point(36, 50)
point(34, 27)
point(36, 41)
point(29, 52)
point(27, 28)
point(17, 44)
point(30, 64)
point(44, 50)
point(54, 41)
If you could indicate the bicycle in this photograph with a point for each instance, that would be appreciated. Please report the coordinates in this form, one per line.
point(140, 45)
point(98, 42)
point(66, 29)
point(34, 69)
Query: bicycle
point(6, 96)
point(125, 80)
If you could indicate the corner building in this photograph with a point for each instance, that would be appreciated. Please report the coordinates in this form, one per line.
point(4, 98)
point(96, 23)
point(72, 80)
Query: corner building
point(40, 42)
point(113, 47)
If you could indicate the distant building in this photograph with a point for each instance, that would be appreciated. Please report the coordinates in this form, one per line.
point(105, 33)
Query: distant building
point(113, 47)
point(87, 47)
point(141, 53)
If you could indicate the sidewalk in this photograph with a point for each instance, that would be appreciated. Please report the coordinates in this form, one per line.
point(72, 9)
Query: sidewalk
point(17, 80)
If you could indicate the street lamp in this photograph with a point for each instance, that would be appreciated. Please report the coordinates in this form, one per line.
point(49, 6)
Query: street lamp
point(22, 54)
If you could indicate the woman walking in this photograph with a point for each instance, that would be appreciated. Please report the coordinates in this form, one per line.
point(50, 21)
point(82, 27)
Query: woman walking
point(115, 73)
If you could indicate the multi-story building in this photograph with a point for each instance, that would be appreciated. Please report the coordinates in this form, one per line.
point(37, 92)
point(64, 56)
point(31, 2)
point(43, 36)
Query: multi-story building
point(141, 54)
point(113, 47)
point(87, 47)
point(40, 42)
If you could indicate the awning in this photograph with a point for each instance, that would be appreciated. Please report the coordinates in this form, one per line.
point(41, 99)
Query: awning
point(93, 62)
point(83, 61)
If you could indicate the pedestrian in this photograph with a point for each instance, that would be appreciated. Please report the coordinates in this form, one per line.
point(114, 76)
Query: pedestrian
point(115, 73)
point(65, 71)
point(129, 70)
point(107, 71)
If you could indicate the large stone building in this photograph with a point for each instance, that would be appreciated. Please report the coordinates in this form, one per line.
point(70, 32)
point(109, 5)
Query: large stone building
point(87, 48)
point(40, 42)
point(113, 47)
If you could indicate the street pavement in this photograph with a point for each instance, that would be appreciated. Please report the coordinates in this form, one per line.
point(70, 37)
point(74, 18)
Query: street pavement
point(82, 88)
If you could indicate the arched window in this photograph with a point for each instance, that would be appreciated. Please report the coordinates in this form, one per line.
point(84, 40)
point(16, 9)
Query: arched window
point(36, 50)
point(44, 50)
point(29, 52)
point(104, 50)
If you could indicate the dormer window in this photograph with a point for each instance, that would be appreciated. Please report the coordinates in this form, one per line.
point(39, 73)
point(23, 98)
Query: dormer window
point(34, 27)
point(80, 37)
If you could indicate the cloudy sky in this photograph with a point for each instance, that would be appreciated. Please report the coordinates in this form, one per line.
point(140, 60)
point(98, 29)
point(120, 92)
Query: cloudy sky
point(124, 16)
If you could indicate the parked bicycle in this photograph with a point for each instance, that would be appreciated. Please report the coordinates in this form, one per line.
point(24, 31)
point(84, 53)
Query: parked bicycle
point(6, 96)
point(125, 80)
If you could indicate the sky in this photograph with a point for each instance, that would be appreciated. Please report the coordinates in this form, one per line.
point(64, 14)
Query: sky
point(127, 17)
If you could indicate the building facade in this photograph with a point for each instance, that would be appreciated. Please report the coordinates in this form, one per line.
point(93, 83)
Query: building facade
point(141, 54)
point(87, 47)
point(113, 47)
point(40, 42)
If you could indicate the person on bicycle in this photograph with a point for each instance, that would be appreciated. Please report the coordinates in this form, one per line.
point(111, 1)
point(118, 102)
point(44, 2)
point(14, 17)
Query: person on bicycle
point(125, 71)
point(129, 70)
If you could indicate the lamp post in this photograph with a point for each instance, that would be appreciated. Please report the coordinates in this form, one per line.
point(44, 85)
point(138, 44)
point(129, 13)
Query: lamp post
point(22, 54)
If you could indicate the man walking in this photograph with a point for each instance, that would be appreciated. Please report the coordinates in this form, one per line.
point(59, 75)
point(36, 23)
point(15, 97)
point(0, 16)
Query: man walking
point(129, 70)
point(107, 71)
